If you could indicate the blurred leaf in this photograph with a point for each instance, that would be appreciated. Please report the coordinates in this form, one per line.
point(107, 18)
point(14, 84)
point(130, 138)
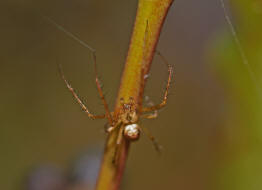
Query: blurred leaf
point(241, 168)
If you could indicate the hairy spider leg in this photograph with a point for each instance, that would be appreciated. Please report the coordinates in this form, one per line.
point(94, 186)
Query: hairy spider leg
point(164, 101)
point(69, 34)
point(77, 98)
point(99, 88)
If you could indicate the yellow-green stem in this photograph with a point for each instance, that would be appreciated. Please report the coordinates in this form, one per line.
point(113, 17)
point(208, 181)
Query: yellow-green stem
point(148, 24)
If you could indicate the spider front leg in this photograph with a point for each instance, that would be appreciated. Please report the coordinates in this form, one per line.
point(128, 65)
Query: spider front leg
point(99, 88)
point(108, 114)
point(77, 98)
point(164, 101)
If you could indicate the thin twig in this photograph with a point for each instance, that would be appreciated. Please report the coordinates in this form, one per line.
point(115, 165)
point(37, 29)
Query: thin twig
point(150, 17)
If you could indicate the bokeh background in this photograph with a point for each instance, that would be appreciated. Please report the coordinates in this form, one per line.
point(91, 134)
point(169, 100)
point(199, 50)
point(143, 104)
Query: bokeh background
point(210, 130)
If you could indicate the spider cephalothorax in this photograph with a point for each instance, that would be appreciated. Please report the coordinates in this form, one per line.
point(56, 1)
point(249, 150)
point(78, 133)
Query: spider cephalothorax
point(129, 118)
point(128, 112)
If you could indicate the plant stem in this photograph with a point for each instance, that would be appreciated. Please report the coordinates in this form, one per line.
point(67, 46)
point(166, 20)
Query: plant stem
point(149, 20)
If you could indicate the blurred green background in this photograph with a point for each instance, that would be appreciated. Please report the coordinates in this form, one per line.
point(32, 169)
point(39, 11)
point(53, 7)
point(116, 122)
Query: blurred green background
point(210, 130)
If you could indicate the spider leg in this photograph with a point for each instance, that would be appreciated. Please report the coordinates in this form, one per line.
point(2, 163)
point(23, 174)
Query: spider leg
point(120, 135)
point(112, 128)
point(108, 115)
point(77, 98)
point(152, 138)
point(99, 88)
point(150, 115)
point(118, 143)
point(164, 101)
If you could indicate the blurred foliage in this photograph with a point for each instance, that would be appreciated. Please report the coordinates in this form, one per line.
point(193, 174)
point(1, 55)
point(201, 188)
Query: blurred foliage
point(210, 129)
point(240, 168)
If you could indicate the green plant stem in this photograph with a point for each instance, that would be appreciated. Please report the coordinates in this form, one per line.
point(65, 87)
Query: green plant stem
point(149, 20)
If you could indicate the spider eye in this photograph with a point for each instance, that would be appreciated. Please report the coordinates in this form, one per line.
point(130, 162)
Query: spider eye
point(132, 132)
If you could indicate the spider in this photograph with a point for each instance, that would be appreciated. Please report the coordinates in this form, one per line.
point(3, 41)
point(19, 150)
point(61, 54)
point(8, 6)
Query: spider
point(127, 116)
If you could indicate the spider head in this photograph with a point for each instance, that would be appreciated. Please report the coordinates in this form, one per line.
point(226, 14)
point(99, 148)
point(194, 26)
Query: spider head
point(127, 106)
point(128, 111)
point(132, 132)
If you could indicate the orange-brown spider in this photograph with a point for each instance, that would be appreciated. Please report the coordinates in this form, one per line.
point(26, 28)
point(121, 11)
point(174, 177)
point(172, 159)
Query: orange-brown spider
point(127, 116)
